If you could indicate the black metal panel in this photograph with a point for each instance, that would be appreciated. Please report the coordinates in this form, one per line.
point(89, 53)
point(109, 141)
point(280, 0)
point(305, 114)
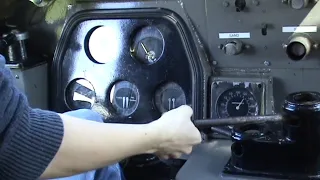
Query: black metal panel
point(179, 62)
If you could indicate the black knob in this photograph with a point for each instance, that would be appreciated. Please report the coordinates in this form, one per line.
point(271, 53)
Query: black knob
point(233, 47)
point(240, 5)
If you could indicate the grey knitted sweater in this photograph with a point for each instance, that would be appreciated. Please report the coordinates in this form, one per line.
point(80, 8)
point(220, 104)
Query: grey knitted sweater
point(29, 138)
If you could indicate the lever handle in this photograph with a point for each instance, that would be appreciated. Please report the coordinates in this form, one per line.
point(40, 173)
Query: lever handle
point(7, 41)
point(207, 123)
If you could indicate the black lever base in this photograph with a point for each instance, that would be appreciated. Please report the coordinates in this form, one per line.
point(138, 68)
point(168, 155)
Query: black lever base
point(287, 150)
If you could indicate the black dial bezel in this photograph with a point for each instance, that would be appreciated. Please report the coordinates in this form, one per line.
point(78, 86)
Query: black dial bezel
point(234, 89)
point(141, 34)
point(191, 78)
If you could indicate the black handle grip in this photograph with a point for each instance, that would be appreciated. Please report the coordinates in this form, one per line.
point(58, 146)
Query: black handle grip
point(7, 41)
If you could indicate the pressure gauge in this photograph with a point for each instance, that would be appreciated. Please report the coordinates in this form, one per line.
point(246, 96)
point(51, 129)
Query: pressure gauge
point(148, 45)
point(236, 102)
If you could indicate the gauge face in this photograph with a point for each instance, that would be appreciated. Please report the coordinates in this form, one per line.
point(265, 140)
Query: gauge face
point(148, 45)
point(80, 94)
point(236, 102)
point(103, 44)
point(169, 97)
point(125, 98)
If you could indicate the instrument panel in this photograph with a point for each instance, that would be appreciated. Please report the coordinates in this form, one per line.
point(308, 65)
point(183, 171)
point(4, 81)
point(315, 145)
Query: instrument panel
point(263, 34)
point(137, 68)
point(147, 53)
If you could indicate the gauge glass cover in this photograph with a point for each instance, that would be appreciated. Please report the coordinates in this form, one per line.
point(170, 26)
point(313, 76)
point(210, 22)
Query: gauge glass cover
point(169, 96)
point(236, 102)
point(124, 97)
point(148, 45)
point(80, 94)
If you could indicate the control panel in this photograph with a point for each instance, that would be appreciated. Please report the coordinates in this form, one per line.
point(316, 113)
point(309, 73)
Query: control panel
point(225, 58)
point(277, 39)
point(258, 51)
point(136, 68)
point(262, 33)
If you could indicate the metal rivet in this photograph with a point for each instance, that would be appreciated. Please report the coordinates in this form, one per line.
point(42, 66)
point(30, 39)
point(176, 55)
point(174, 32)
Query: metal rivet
point(225, 4)
point(214, 62)
point(284, 45)
point(266, 63)
point(255, 2)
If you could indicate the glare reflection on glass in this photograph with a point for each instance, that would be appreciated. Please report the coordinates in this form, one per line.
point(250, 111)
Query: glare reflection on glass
point(105, 44)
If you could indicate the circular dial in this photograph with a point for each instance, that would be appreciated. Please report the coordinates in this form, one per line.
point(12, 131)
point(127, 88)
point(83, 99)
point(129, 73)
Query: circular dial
point(103, 44)
point(124, 98)
point(236, 102)
point(80, 94)
point(148, 45)
point(169, 97)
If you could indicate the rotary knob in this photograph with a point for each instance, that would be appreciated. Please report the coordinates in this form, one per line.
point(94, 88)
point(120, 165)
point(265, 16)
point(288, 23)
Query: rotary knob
point(232, 47)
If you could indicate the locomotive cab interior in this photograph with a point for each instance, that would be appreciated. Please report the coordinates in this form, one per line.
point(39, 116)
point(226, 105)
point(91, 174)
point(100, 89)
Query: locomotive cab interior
point(141, 58)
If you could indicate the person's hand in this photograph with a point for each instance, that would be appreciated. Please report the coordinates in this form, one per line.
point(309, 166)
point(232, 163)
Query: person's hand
point(176, 132)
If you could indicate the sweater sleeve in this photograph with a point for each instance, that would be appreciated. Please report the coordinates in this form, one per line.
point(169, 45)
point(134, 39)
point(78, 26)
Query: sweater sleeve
point(29, 138)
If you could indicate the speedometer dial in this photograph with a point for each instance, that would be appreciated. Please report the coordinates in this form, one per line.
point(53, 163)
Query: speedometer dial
point(236, 102)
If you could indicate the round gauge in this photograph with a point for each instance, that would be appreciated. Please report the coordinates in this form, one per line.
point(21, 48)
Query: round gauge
point(148, 45)
point(103, 44)
point(80, 94)
point(236, 102)
point(169, 96)
point(124, 98)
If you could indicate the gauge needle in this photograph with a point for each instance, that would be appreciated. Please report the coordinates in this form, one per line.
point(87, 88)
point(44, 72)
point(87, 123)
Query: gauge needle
point(238, 107)
point(144, 48)
point(173, 103)
point(150, 55)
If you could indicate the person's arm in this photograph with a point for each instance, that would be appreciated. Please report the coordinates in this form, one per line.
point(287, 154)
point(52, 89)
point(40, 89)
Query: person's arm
point(38, 143)
point(90, 145)
point(29, 138)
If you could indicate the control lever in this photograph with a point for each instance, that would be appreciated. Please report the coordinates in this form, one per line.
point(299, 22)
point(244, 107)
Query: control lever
point(207, 123)
point(7, 40)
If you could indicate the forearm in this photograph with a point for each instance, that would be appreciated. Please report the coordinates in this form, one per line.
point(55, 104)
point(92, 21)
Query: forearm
point(90, 145)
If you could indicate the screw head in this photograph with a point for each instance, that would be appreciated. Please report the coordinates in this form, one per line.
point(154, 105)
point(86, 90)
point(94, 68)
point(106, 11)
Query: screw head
point(69, 6)
point(284, 45)
point(266, 63)
point(255, 2)
point(225, 4)
point(214, 62)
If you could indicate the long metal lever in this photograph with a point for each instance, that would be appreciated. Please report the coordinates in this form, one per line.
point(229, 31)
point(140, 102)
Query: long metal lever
point(207, 123)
